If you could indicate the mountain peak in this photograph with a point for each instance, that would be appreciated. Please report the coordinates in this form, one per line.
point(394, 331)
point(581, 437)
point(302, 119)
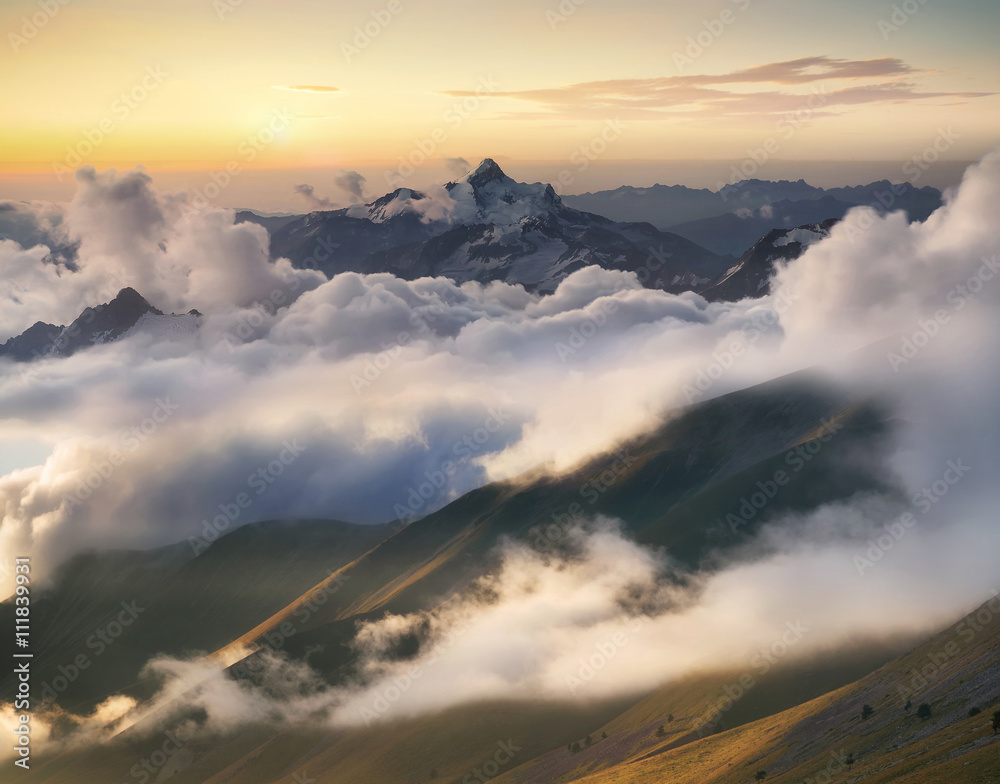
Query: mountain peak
point(129, 295)
point(128, 305)
point(487, 171)
point(99, 324)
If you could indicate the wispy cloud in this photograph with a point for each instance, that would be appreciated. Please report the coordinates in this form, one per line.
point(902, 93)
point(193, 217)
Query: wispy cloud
point(300, 116)
point(350, 181)
point(306, 88)
point(308, 192)
point(705, 95)
point(458, 167)
point(809, 69)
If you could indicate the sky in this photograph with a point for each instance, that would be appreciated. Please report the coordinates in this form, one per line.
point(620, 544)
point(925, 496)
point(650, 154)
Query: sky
point(301, 90)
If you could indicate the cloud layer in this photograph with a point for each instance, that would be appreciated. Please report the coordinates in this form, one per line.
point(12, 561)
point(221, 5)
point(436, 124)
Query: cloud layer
point(337, 399)
point(381, 379)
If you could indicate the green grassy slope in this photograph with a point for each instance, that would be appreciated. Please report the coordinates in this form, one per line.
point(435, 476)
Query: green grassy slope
point(668, 487)
point(173, 602)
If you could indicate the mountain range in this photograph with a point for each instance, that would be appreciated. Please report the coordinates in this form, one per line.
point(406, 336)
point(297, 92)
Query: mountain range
point(487, 227)
point(729, 220)
point(128, 313)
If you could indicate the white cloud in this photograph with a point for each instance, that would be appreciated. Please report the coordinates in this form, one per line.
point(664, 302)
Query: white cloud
point(379, 378)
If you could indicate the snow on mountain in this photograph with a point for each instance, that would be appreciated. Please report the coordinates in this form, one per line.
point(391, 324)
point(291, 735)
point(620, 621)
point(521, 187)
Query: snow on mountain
point(751, 275)
point(484, 227)
point(164, 326)
point(485, 196)
point(803, 235)
point(127, 314)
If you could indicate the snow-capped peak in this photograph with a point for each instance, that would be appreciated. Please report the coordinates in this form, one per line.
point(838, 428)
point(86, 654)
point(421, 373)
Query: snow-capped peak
point(487, 195)
point(386, 207)
point(488, 171)
point(484, 196)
